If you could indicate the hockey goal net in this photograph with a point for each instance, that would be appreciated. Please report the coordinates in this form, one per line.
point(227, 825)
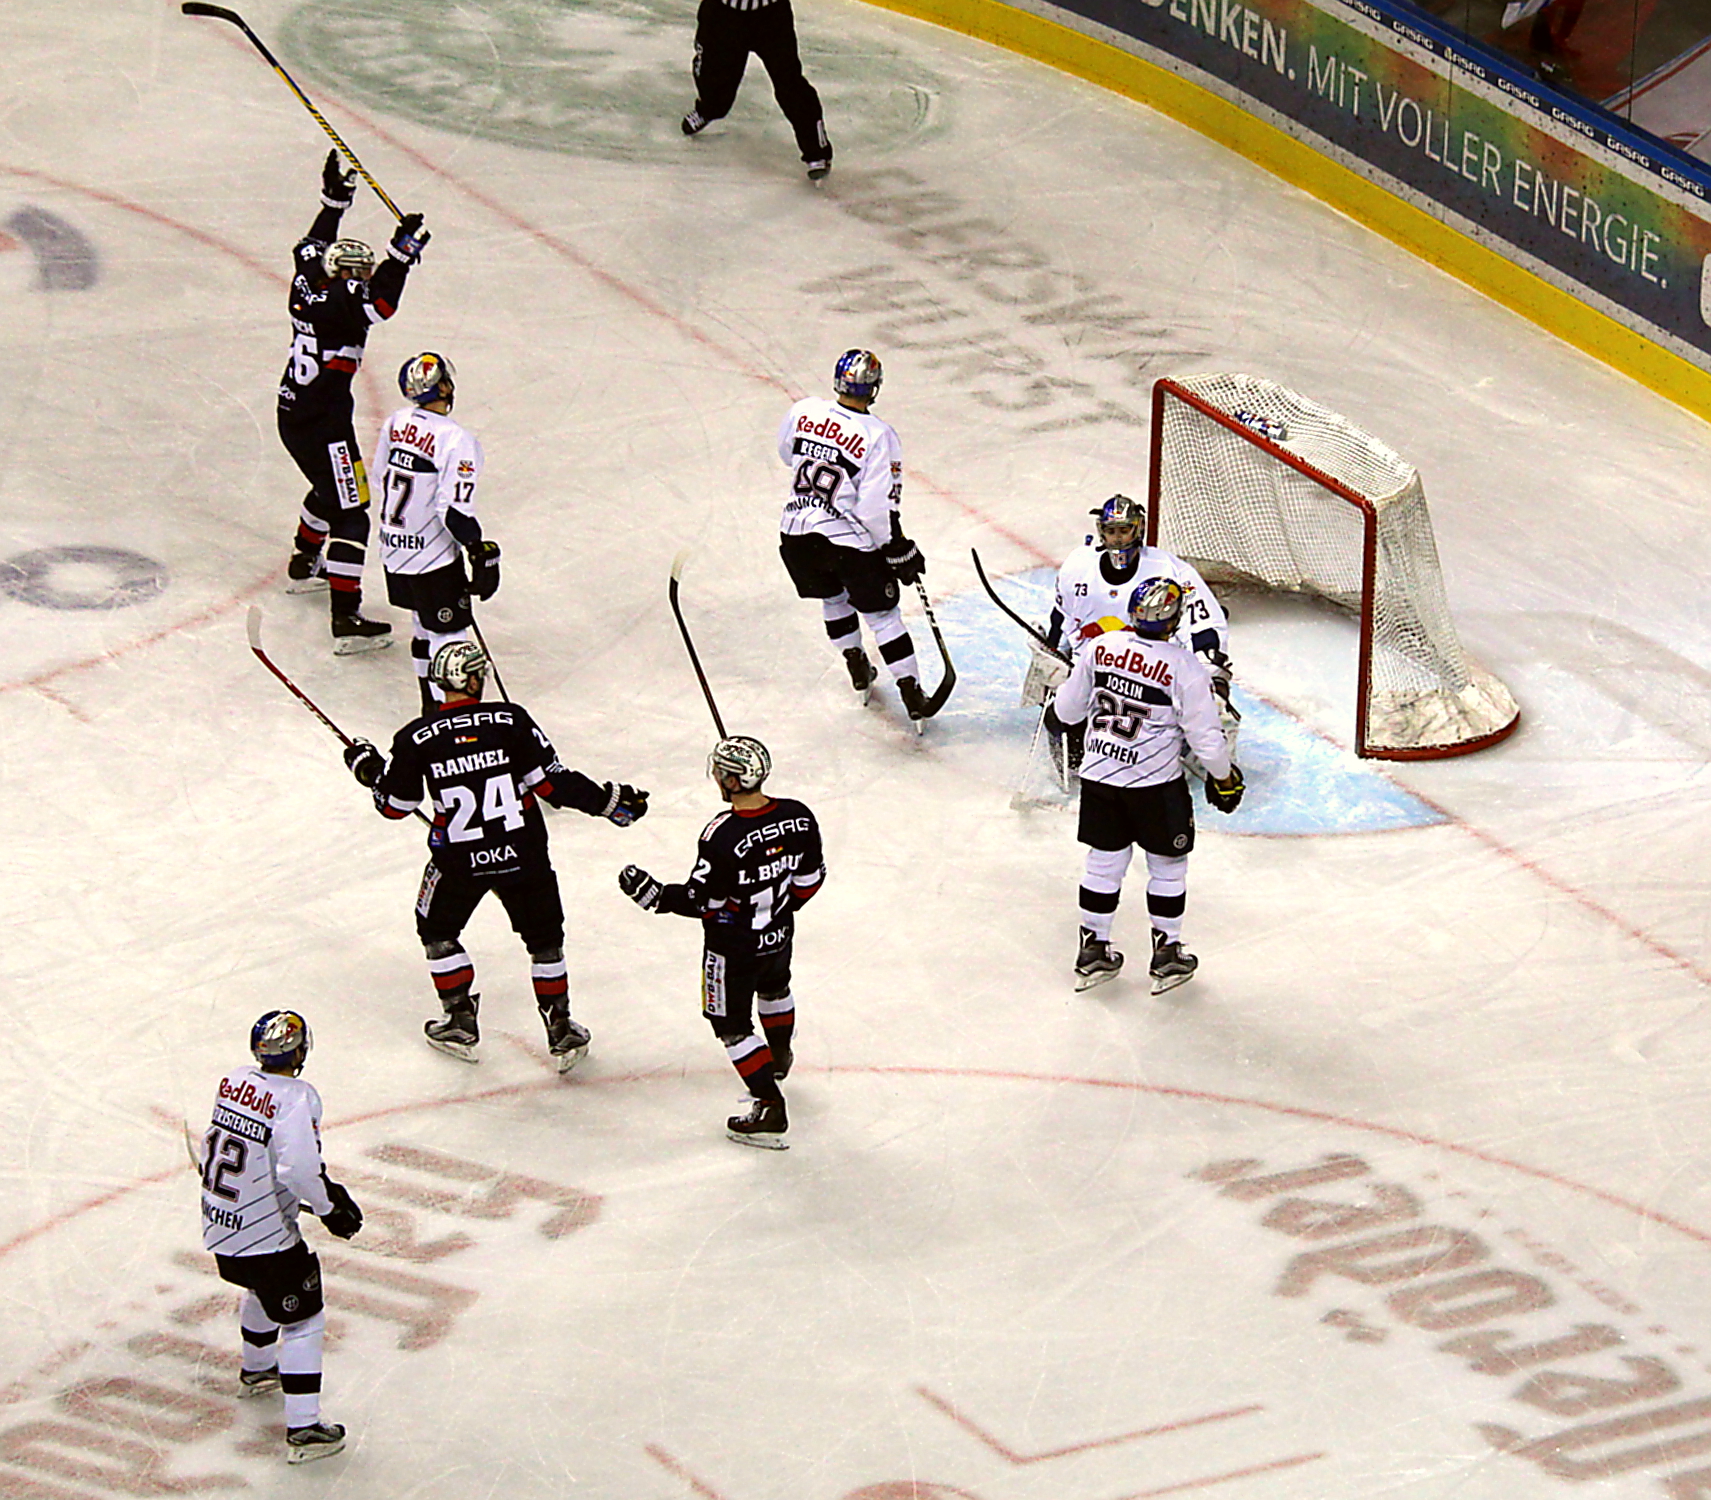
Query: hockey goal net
point(1256, 484)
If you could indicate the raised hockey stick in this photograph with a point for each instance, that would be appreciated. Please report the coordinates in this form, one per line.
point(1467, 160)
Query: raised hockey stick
point(493, 666)
point(943, 690)
point(689, 645)
point(220, 13)
point(292, 688)
point(986, 584)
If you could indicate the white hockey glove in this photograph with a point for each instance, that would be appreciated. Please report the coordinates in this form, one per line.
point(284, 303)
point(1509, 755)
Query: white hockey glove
point(1046, 670)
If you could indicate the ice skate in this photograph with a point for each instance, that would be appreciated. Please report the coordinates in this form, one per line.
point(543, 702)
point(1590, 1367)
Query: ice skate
point(1096, 962)
point(303, 574)
point(818, 171)
point(456, 1033)
point(567, 1040)
point(1171, 964)
point(258, 1382)
point(764, 1125)
point(693, 123)
point(862, 673)
point(322, 1440)
point(353, 634)
point(914, 702)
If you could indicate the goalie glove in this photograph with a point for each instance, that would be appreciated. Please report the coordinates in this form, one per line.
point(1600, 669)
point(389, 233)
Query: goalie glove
point(624, 804)
point(1047, 671)
point(364, 762)
point(640, 887)
point(338, 187)
point(344, 1218)
point(484, 569)
point(1226, 795)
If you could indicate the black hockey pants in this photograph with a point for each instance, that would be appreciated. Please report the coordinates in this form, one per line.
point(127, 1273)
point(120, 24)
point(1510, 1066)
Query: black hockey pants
point(724, 38)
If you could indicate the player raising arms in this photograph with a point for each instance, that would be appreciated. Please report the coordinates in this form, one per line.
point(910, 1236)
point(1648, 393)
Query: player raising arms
point(840, 535)
point(427, 467)
point(485, 771)
point(756, 864)
point(337, 294)
point(1145, 701)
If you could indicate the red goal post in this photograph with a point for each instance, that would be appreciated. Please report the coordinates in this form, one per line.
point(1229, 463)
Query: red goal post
point(1254, 483)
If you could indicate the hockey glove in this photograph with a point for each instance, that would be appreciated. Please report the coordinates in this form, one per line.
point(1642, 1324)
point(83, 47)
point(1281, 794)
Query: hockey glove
point(484, 569)
point(1226, 795)
point(1054, 725)
point(364, 762)
point(624, 804)
point(639, 886)
point(344, 1218)
point(338, 187)
point(905, 559)
point(408, 239)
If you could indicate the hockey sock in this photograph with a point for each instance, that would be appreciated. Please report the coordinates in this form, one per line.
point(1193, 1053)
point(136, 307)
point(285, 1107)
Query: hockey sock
point(550, 975)
point(896, 650)
point(261, 1333)
point(1167, 893)
point(300, 1369)
point(344, 574)
point(843, 626)
point(311, 533)
point(752, 1059)
point(777, 1018)
point(1101, 887)
point(452, 970)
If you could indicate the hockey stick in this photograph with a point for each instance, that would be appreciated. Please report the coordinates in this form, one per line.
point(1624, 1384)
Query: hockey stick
point(295, 691)
point(498, 681)
point(220, 13)
point(986, 584)
point(689, 645)
point(943, 690)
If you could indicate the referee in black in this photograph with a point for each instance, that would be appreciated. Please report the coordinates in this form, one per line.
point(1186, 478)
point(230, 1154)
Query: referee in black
point(726, 32)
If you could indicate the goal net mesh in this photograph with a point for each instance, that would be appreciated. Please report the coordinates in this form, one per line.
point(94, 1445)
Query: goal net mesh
point(1254, 483)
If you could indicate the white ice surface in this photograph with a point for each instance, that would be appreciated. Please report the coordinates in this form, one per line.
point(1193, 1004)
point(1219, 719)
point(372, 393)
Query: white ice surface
point(989, 1266)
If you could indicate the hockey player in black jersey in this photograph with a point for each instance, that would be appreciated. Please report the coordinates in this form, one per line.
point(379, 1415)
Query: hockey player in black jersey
point(337, 294)
point(756, 864)
point(484, 770)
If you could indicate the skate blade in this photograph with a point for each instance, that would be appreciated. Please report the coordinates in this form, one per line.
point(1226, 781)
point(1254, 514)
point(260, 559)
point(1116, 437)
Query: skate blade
point(359, 645)
point(309, 1455)
point(1088, 981)
point(250, 1392)
point(764, 1142)
point(1163, 982)
point(316, 585)
point(565, 1061)
point(462, 1051)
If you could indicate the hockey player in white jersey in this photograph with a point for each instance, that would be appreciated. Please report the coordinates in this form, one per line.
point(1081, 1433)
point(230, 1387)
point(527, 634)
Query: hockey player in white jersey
point(261, 1165)
point(428, 468)
point(840, 536)
point(1093, 587)
point(1146, 700)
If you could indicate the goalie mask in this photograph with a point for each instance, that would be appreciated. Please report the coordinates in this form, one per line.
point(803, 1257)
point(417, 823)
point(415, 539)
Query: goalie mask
point(1121, 525)
point(858, 373)
point(1155, 607)
point(281, 1040)
point(344, 260)
point(459, 669)
point(741, 760)
point(427, 377)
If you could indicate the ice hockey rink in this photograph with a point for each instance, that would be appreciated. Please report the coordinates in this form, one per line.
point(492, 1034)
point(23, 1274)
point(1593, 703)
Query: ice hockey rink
point(1404, 1196)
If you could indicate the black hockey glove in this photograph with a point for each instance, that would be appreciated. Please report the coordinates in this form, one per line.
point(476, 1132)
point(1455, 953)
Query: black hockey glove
point(624, 804)
point(905, 559)
point(338, 187)
point(639, 886)
point(344, 1218)
point(1226, 795)
point(484, 569)
point(408, 239)
point(364, 762)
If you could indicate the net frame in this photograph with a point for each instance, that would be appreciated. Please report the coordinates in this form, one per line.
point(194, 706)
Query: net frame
point(1457, 707)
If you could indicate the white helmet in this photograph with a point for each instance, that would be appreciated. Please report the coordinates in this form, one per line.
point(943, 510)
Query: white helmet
point(459, 668)
point(344, 259)
point(743, 759)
